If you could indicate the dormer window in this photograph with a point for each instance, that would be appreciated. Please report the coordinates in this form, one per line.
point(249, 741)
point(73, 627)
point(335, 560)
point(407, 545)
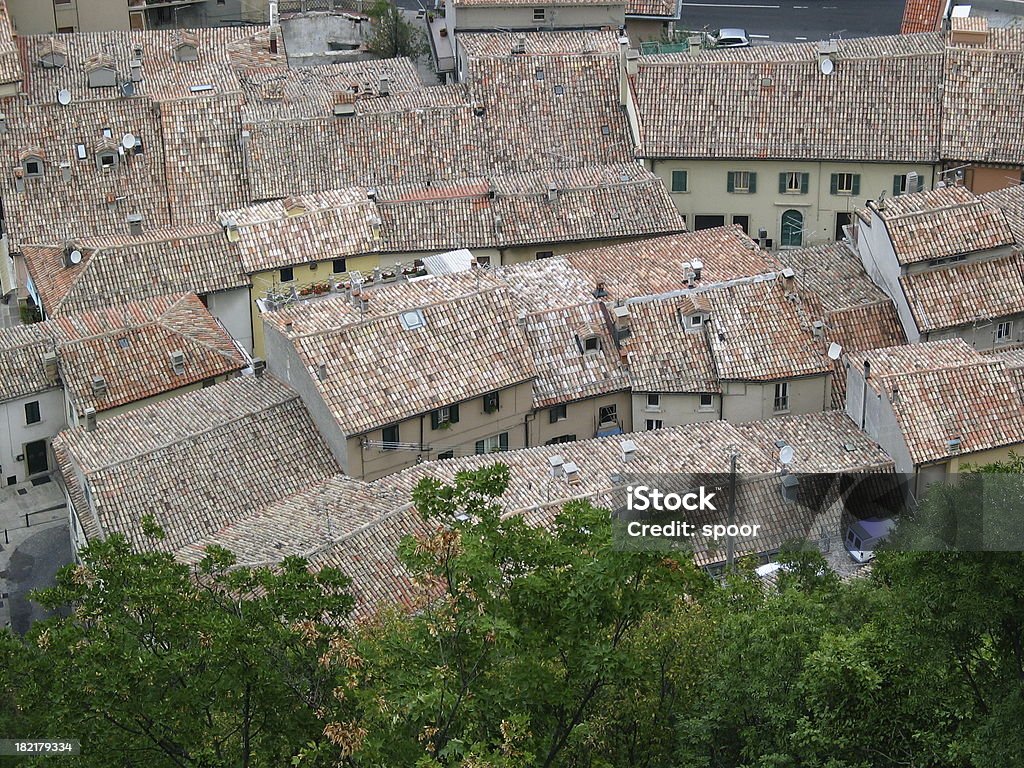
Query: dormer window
point(591, 344)
point(696, 320)
point(186, 47)
point(106, 159)
point(100, 72)
point(33, 166)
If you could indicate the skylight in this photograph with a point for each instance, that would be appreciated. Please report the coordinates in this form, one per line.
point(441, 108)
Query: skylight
point(412, 320)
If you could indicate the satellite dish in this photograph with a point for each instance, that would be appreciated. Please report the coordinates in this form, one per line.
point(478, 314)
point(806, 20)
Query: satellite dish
point(75, 257)
point(786, 454)
point(128, 141)
point(827, 66)
point(834, 351)
point(64, 97)
point(127, 88)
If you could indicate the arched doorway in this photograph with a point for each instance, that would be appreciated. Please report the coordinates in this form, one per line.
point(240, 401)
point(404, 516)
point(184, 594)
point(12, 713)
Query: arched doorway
point(792, 228)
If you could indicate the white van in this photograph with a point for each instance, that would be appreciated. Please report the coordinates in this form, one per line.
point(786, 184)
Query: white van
point(863, 536)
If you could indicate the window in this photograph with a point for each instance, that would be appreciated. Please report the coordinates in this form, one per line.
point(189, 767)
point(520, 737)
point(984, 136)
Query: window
point(696, 321)
point(592, 344)
point(545, 254)
point(446, 455)
point(743, 182)
point(538, 74)
point(207, 383)
point(679, 180)
point(557, 413)
point(782, 396)
point(123, 343)
point(287, 275)
point(33, 166)
point(108, 133)
point(389, 438)
point(707, 401)
point(80, 151)
point(907, 182)
point(654, 424)
point(493, 444)
point(1004, 331)
point(559, 90)
point(792, 228)
point(845, 184)
point(707, 221)
point(538, 14)
point(561, 439)
point(491, 402)
point(442, 418)
point(108, 160)
point(32, 415)
point(743, 222)
point(608, 414)
point(794, 183)
point(338, 266)
point(653, 402)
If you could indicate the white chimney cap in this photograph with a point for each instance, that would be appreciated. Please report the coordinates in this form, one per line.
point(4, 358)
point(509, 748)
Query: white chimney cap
point(555, 461)
point(628, 446)
point(571, 469)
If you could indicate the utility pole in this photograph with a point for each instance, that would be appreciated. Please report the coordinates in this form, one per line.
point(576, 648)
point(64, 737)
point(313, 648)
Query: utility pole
point(730, 552)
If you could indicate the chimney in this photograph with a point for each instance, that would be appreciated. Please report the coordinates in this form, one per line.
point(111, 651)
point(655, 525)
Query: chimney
point(384, 86)
point(321, 372)
point(135, 223)
point(89, 416)
point(762, 238)
point(273, 39)
point(555, 465)
point(50, 366)
point(65, 170)
point(99, 386)
point(552, 192)
point(623, 71)
point(789, 277)
point(622, 322)
point(628, 450)
point(600, 290)
point(698, 268)
point(135, 69)
point(259, 367)
point(177, 361)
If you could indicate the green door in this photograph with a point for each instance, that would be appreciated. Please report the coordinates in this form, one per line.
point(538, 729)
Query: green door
point(792, 228)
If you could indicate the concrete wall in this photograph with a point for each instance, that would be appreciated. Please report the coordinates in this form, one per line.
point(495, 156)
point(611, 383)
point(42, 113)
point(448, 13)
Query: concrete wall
point(32, 17)
point(15, 433)
point(501, 17)
point(879, 260)
point(102, 15)
point(581, 418)
point(707, 192)
point(641, 30)
point(372, 462)
point(234, 309)
point(874, 414)
point(980, 179)
point(675, 409)
point(753, 401)
point(982, 335)
point(38, 17)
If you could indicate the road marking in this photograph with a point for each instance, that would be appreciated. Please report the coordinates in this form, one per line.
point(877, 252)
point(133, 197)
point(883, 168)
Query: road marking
point(760, 37)
point(727, 5)
point(805, 7)
point(799, 38)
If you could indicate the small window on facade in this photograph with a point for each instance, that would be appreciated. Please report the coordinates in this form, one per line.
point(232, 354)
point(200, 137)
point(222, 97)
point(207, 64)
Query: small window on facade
point(608, 414)
point(287, 275)
point(545, 254)
point(654, 424)
point(338, 266)
point(742, 182)
point(538, 14)
point(32, 415)
point(442, 418)
point(782, 396)
point(845, 184)
point(707, 401)
point(557, 413)
point(446, 455)
point(561, 439)
point(743, 222)
point(493, 444)
point(653, 401)
point(679, 181)
point(1004, 331)
point(389, 438)
point(491, 402)
point(794, 183)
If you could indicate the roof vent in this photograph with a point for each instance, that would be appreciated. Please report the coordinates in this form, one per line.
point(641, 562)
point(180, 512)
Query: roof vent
point(572, 473)
point(628, 450)
point(178, 361)
point(89, 416)
point(698, 268)
point(954, 444)
point(135, 68)
point(99, 386)
point(552, 192)
point(556, 465)
point(818, 327)
point(600, 291)
point(384, 85)
point(321, 372)
point(259, 367)
point(135, 223)
point(520, 46)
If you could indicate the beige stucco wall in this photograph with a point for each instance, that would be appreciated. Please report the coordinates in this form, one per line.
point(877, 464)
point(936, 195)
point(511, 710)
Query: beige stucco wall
point(474, 424)
point(38, 17)
point(980, 179)
point(581, 417)
point(982, 336)
point(641, 30)
point(753, 401)
point(521, 17)
point(707, 193)
point(32, 17)
point(675, 409)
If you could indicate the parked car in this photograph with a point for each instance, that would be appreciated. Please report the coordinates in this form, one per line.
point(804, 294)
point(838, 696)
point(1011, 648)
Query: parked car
point(729, 38)
point(863, 536)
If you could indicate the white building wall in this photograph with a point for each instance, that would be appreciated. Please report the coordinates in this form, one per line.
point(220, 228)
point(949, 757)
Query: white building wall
point(15, 433)
point(232, 308)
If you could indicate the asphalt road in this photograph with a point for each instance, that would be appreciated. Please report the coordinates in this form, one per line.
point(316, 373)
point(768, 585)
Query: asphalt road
point(786, 21)
point(34, 565)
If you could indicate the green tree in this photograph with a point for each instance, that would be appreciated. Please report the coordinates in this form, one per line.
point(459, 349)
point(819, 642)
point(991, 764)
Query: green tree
point(393, 35)
point(159, 666)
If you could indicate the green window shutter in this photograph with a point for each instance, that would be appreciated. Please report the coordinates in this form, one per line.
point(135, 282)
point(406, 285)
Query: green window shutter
point(805, 183)
point(453, 414)
point(503, 441)
point(730, 183)
point(479, 446)
point(435, 419)
point(782, 183)
point(896, 183)
point(678, 181)
point(752, 187)
point(834, 185)
point(856, 184)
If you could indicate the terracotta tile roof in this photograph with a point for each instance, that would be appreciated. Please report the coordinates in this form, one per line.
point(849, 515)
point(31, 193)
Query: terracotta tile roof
point(857, 329)
point(945, 391)
point(967, 293)
point(377, 372)
point(298, 524)
point(129, 348)
point(501, 3)
point(21, 360)
point(10, 61)
point(773, 102)
point(165, 459)
point(762, 331)
point(80, 508)
point(1011, 202)
point(663, 357)
point(941, 223)
point(922, 16)
point(122, 268)
point(667, 8)
point(564, 371)
point(981, 102)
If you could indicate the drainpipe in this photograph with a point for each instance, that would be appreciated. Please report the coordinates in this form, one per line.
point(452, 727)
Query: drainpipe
point(864, 394)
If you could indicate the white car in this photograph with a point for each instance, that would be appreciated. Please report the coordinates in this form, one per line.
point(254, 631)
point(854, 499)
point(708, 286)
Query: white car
point(730, 38)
